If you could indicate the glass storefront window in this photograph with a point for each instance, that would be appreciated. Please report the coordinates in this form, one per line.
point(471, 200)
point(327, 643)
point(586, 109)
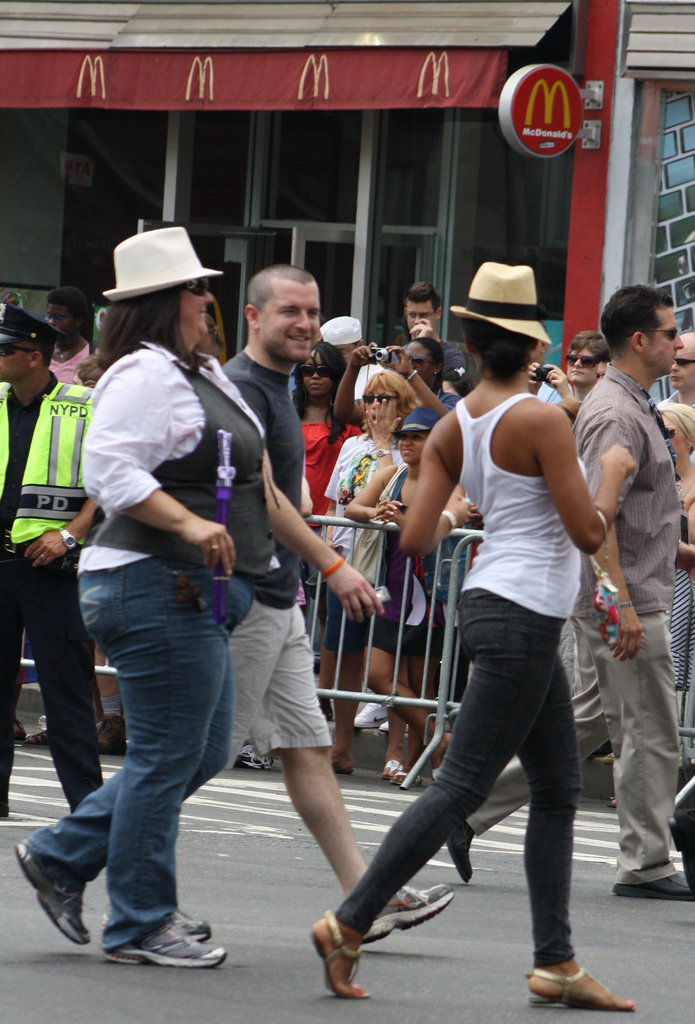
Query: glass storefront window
point(314, 160)
point(220, 159)
point(413, 167)
point(126, 151)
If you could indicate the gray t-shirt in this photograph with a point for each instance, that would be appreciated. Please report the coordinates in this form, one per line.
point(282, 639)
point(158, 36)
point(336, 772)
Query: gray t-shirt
point(267, 394)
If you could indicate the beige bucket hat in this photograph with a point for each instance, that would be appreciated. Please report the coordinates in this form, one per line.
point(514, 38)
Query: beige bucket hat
point(153, 261)
point(505, 296)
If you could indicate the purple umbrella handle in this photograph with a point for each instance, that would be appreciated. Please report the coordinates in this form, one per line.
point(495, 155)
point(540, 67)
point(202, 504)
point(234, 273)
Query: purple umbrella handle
point(225, 477)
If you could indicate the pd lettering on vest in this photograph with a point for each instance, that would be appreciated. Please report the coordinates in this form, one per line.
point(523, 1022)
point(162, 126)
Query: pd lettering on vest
point(68, 409)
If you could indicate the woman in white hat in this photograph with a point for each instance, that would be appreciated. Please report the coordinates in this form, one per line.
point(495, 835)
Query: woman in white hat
point(515, 457)
point(146, 584)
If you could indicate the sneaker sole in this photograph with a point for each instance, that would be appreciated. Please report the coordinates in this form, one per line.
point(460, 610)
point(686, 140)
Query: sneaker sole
point(138, 957)
point(35, 879)
point(404, 919)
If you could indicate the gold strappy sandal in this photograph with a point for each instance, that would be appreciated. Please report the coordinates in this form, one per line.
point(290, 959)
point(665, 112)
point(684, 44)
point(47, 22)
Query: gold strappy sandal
point(339, 950)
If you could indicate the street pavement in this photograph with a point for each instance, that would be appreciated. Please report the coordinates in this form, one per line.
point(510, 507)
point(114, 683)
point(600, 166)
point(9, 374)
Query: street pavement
point(248, 864)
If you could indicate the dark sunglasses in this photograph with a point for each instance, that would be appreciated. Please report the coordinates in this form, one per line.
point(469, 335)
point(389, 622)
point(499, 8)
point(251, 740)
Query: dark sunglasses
point(671, 431)
point(418, 360)
point(8, 347)
point(415, 435)
point(368, 399)
point(683, 362)
point(311, 370)
point(200, 286)
point(670, 332)
point(584, 360)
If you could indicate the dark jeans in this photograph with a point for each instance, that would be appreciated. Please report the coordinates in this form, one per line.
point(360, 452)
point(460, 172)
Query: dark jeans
point(517, 701)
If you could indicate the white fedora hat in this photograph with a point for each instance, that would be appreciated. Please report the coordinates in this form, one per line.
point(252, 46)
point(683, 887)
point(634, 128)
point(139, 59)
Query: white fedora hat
point(505, 296)
point(153, 261)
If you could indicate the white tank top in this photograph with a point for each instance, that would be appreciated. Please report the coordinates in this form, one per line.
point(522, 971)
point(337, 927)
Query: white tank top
point(526, 556)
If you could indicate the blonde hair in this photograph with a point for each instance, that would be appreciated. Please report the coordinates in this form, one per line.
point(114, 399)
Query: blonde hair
point(388, 380)
point(682, 417)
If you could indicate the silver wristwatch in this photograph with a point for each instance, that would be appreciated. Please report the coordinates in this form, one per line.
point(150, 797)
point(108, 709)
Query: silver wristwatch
point(68, 540)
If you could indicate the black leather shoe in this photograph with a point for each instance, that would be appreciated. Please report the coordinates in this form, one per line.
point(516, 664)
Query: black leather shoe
point(63, 906)
point(459, 846)
point(682, 826)
point(673, 887)
point(4, 809)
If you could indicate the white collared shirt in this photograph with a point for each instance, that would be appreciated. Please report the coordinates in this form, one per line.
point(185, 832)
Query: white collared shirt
point(145, 412)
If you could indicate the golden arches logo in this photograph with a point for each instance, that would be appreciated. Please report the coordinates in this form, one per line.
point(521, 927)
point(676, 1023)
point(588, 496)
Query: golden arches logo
point(202, 67)
point(442, 62)
point(93, 67)
point(317, 69)
point(549, 100)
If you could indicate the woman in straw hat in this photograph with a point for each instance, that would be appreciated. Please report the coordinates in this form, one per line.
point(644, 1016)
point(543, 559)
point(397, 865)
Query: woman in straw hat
point(515, 457)
point(146, 586)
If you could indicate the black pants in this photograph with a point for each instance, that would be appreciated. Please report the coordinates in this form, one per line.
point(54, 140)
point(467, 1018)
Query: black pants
point(45, 603)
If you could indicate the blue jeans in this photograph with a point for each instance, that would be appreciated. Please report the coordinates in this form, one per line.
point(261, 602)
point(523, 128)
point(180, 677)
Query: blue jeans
point(176, 686)
point(517, 701)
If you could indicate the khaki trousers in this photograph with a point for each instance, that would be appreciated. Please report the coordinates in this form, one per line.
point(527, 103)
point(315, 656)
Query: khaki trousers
point(634, 704)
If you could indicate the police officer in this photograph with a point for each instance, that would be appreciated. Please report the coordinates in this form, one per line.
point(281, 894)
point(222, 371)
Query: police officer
point(44, 514)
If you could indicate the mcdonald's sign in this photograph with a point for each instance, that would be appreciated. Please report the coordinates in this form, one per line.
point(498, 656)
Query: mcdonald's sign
point(316, 69)
point(540, 110)
point(94, 67)
point(204, 68)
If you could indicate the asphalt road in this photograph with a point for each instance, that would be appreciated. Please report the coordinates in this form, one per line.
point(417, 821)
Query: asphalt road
point(246, 862)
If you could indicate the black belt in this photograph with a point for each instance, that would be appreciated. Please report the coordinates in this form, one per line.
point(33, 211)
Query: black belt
point(9, 545)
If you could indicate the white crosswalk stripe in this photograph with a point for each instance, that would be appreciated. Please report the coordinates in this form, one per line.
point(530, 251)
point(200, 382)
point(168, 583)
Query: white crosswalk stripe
point(256, 804)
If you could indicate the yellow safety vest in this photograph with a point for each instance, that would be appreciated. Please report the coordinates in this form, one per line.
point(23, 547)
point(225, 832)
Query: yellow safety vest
point(52, 493)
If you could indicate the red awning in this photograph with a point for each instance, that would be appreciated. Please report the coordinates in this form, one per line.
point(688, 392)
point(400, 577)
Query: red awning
point(342, 79)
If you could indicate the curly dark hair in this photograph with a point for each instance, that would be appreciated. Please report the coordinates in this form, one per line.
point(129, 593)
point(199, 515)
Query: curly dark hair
point(330, 357)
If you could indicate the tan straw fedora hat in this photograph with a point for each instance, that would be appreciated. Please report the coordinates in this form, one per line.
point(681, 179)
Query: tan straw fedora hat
point(153, 261)
point(505, 296)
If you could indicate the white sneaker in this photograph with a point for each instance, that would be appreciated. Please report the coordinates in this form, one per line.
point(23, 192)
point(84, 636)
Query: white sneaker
point(370, 717)
point(409, 907)
point(384, 727)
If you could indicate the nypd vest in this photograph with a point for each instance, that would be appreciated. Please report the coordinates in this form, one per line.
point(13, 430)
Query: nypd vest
point(52, 493)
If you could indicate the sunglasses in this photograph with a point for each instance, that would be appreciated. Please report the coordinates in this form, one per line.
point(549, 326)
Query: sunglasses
point(414, 435)
point(671, 431)
point(311, 370)
point(584, 360)
point(200, 286)
point(368, 399)
point(670, 332)
point(8, 347)
point(418, 360)
point(683, 362)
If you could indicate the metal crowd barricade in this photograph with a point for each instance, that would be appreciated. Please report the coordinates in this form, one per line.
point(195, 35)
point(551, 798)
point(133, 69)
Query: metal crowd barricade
point(444, 707)
point(686, 723)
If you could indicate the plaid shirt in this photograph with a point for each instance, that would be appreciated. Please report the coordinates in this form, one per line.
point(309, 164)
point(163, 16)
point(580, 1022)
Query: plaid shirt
point(616, 411)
